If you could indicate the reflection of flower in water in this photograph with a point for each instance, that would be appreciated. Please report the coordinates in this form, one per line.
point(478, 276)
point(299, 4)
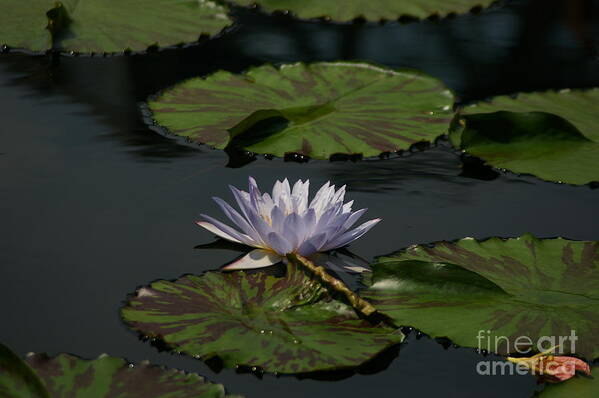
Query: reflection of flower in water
point(285, 223)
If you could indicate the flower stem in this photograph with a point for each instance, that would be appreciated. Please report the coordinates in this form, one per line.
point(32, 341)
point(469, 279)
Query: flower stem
point(360, 305)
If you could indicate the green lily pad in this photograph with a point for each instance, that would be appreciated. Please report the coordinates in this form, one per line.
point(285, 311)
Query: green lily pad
point(17, 379)
point(579, 386)
point(23, 24)
point(329, 108)
point(281, 324)
point(106, 26)
point(372, 10)
point(109, 377)
point(487, 294)
point(553, 135)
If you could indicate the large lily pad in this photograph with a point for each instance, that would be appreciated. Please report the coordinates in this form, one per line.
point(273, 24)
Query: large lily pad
point(17, 379)
point(474, 292)
point(24, 24)
point(107, 26)
point(67, 376)
point(553, 135)
point(576, 387)
point(281, 324)
point(330, 108)
point(372, 10)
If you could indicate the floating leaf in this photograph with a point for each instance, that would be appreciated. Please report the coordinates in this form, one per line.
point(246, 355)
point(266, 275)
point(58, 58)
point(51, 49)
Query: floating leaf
point(553, 135)
point(329, 108)
point(23, 24)
point(107, 26)
point(17, 379)
point(488, 294)
point(288, 324)
point(372, 10)
point(109, 377)
point(576, 387)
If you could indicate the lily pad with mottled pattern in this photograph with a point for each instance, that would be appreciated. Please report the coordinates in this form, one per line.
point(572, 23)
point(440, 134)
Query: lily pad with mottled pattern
point(284, 324)
point(496, 289)
point(373, 10)
point(329, 108)
point(552, 135)
point(579, 386)
point(108, 26)
point(67, 376)
point(17, 379)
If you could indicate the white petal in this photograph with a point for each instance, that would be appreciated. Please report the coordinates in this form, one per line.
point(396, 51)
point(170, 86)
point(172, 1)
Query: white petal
point(255, 259)
point(339, 195)
point(299, 196)
point(217, 232)
point(347, 206)
point(351, 236)
point(224, 231)
point(321, 192)
point(357, 269)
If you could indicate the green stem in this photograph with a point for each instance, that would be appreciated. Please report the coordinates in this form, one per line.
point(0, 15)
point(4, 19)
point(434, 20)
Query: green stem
point(360, 305)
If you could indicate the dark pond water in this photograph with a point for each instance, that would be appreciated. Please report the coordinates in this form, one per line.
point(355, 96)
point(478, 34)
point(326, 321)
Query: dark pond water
point(94, 203)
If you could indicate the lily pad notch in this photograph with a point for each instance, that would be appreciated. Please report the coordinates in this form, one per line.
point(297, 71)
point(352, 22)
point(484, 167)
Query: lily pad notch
point(108, 26)
point(316, 110)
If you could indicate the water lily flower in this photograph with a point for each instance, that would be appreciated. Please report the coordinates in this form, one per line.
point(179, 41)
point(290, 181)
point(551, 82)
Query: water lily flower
point(552, 367)
point(286, 223)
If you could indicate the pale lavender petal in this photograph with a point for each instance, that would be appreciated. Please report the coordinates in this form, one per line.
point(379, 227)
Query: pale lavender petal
point(267, 202)
point(255, 195)
point(339, 195)
point(261, 226)
point(217, 232)
point(243, 200)
point(353, 217)
point(214, 225)
point(326, 218)
point(309, 220)
point(307, 249)
point(351, 236)
point(293, 228)
point(257, 258)
point(277, 218)
point(324, 201)
point(279, 244)
point(235, 216)
point(316, 242)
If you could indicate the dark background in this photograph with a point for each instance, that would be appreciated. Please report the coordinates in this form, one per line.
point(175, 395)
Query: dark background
point(93, 203)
